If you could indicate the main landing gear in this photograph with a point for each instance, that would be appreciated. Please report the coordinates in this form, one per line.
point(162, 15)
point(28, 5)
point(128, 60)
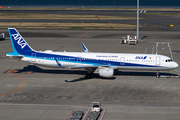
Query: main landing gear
point(157, 74)
point(88, 76)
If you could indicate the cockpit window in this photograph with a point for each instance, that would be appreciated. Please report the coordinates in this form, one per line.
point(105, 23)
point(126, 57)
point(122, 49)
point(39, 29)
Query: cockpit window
point(169, 60)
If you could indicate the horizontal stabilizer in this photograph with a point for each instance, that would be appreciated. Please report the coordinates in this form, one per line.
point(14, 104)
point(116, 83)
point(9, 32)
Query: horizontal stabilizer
point(13, 54)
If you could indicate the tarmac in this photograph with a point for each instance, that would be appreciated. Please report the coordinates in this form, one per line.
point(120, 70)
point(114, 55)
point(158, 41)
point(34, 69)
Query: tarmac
point(150, 21)
point(39, 93)
point(36, 92)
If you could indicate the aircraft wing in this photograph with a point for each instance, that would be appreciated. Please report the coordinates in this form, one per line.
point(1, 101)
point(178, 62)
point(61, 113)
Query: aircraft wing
point(81, 66)
point(87, 66)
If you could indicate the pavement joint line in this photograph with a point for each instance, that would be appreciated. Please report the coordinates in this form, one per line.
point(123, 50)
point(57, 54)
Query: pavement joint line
point(44, 112)
point(2, 56)
point(16, 88)
point(72, 41)
point(45, 105)
point(86, 106)
point(127, 114)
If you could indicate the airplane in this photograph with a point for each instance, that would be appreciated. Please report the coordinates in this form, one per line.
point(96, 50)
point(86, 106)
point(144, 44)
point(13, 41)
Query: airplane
point(103, 64)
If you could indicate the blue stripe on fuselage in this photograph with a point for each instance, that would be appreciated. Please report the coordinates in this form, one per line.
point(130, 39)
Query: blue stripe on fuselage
point(73, 59)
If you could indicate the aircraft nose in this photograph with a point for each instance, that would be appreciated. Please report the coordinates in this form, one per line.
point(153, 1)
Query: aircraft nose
point(175, 65)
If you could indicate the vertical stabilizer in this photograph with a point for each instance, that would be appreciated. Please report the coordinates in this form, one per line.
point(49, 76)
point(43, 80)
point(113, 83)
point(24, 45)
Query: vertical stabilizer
point(18, 43)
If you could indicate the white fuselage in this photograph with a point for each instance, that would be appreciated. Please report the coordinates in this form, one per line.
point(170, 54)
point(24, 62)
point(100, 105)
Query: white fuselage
point(122, 61)
point(103, 64)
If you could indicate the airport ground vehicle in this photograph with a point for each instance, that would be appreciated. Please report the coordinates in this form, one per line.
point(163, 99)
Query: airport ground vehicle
point(96, 106)
point(95, 111)
point(77, 115)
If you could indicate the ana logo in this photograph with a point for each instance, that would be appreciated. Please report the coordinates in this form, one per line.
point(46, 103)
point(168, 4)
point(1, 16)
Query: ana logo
point(140, 57)
point(19, 40)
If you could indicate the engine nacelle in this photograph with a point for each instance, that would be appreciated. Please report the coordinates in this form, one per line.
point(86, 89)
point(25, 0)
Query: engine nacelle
point(106, 72)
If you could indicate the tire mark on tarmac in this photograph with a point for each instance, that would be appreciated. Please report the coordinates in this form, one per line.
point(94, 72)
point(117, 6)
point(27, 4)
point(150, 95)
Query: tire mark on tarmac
point(16, 88)
point(72, 41)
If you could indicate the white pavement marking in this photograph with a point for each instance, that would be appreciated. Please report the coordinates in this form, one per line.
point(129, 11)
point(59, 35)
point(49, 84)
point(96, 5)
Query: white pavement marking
point(102, 117)
point(85, 116)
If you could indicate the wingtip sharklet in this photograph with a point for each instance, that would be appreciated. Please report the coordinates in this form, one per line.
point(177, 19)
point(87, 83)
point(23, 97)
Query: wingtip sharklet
point(85, 48)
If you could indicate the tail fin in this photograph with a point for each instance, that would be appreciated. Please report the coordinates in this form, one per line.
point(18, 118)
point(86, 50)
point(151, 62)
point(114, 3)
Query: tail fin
point(18, 43)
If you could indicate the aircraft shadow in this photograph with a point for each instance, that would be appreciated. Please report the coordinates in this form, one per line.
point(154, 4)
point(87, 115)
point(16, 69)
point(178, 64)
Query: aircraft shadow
point(2, 39)
point(92, 77)
point(144, 37)
point(139, 73)
point(36, 69)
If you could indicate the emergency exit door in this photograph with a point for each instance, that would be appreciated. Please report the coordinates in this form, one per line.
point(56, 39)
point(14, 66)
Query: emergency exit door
point(122, 61)
point(33, 58)
point(158, 60)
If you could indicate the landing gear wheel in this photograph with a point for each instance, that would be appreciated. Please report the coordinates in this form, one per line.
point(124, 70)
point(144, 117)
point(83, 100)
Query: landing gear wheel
point(88, 76)
point(157, 75)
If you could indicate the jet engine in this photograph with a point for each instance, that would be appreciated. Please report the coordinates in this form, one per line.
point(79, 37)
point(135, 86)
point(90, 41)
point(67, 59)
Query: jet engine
point(106, 72)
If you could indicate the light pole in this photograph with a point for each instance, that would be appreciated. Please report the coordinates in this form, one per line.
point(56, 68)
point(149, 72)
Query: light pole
point(137, 19)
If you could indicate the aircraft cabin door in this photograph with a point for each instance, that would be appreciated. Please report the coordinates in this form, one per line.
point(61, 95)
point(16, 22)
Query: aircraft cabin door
point(78, 59)
point(122, 61)
point(158, 60)
point(33, 58)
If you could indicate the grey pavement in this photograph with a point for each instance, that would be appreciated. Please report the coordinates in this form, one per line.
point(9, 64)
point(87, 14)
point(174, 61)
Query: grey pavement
point(148, 21)
point(53, 93)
